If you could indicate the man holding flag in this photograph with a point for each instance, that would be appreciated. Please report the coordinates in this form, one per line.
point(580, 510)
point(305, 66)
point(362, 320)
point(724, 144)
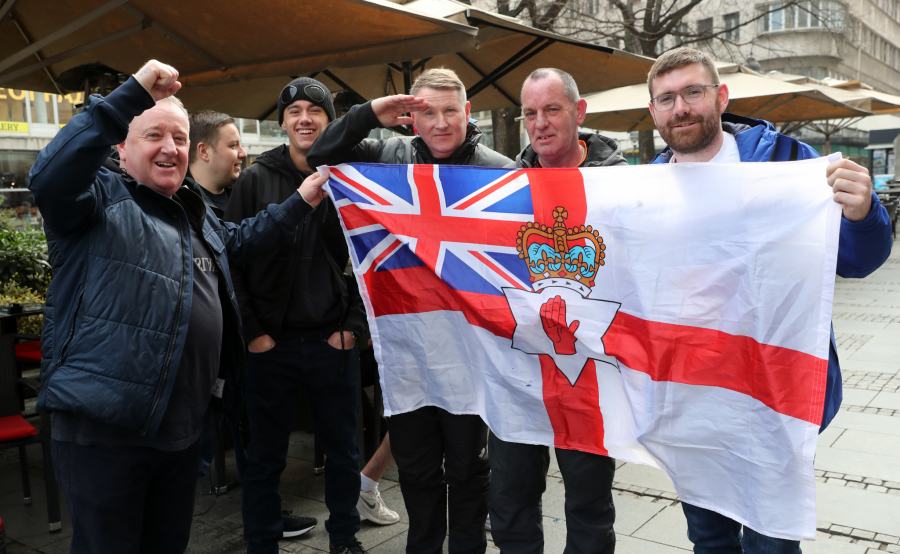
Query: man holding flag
point(688, 104)
point(553, 110)
point(434, 449)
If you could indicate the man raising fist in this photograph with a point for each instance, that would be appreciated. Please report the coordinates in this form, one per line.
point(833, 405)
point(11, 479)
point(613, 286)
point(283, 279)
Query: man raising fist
point(141, 329)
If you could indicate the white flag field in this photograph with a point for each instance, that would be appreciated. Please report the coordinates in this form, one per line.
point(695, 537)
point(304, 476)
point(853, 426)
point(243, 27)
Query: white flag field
point(676, 316)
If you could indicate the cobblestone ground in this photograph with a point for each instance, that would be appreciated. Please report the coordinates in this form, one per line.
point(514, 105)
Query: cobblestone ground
point(857, 466)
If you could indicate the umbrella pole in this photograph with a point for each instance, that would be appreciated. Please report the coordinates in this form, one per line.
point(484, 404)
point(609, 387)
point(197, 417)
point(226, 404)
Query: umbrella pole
point(407, 77)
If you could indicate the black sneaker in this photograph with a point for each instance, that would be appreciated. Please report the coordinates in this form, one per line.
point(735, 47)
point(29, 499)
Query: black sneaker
point(294, 526)
point(350, 547)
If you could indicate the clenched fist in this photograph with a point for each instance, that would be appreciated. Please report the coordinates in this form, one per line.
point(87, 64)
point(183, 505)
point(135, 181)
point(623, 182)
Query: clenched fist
point(160, 80)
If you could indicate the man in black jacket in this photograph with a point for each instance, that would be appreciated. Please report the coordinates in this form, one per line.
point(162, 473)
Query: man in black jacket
point(434, 449)
point(553, 110)
point(301, 319)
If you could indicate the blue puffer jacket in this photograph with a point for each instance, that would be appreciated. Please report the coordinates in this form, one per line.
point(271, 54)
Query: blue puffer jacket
point(119, 304)
point(862, 248)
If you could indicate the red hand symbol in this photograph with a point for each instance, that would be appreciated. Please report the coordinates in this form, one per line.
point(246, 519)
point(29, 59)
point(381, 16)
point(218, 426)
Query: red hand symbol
point(553, 318)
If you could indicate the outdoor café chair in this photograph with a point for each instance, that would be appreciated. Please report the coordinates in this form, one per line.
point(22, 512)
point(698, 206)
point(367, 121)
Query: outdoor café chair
point(17, 432)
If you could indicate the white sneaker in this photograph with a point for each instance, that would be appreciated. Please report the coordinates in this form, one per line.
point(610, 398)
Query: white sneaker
point(371, 507)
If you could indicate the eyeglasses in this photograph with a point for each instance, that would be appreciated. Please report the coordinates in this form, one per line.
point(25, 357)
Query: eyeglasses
point(690, 95)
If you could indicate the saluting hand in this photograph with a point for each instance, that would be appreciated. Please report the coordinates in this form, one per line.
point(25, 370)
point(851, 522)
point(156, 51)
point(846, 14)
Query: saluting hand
point(160, 80)
point(390, 109)
point(852, 188)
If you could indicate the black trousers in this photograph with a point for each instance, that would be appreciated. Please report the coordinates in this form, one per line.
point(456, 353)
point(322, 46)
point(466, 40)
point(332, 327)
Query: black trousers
point(519, 478)
point(436, 451)
point(127, 498)
point(271, 385)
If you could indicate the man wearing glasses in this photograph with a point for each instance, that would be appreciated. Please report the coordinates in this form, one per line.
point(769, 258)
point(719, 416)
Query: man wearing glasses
point(301, 320)
point(688, 104)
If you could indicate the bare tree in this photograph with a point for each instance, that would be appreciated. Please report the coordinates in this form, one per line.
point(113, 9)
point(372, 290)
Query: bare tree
point(504, 121)
point(634, 26)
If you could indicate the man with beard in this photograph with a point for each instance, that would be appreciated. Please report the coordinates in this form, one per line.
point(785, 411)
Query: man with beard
point(688, 104)
point(435, 450)
point(553, 110)
point(301, 319)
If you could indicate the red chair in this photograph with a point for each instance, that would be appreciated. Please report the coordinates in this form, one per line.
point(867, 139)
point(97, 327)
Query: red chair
point(28, 356)
point(17, 432)
point(29, 352)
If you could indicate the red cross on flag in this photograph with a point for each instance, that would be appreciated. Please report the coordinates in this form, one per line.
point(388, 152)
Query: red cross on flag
point(674, 316)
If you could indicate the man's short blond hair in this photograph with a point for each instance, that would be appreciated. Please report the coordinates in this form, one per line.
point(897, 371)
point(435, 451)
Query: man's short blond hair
point(440, 78)
point(678, 58)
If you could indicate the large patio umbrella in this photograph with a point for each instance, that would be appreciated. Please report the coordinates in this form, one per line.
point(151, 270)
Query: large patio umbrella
point(507, 52)
point(225, 41)
point(882, 103)
point(750, 94)
point(852, 93)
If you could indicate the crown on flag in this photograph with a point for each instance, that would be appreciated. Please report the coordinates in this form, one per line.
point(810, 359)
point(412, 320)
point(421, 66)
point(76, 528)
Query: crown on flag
point(564, 257)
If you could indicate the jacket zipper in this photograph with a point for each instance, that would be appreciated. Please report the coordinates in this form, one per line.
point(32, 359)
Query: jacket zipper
point(165, 372)
point(65, 347)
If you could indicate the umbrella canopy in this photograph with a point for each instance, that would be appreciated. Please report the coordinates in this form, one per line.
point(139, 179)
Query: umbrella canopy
point(852, 92)
point(217, 41)
point(878, 102)
point(507, 52)
point(750, 94)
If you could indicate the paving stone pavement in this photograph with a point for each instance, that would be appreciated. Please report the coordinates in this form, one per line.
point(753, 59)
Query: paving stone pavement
point(857, 467)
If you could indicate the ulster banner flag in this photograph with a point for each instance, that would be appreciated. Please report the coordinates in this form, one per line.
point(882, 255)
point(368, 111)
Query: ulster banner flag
point(670, 315)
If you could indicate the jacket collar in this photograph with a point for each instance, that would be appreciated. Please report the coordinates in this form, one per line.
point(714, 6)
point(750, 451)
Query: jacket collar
point(189, 199)
point(732, 124)
point(473, 137)
point(599, 150)
point(193, 205)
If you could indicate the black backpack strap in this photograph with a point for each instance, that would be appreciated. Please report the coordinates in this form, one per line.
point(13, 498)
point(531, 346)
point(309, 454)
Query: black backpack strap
point(782, 143)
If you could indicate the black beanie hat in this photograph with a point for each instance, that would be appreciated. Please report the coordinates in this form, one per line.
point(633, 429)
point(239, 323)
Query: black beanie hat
point(307, 89)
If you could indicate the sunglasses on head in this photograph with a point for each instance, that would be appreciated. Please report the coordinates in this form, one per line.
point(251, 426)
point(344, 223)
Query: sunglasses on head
point(313, 92)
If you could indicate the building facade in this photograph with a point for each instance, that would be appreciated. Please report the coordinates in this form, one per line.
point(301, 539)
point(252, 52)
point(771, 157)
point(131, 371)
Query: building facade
point(823, 39)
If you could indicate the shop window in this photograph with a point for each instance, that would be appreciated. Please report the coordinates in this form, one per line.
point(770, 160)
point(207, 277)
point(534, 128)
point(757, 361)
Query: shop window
point(248, 127)
point(66, 106)
point(14, 168)
point(42, 108)
point(270, 131)
point(13, 117)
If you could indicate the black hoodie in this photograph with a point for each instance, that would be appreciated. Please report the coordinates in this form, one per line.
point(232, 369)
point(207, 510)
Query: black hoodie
point(295, 291)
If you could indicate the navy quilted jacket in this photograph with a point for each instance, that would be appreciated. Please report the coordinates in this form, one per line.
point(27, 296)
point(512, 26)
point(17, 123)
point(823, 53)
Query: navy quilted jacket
point(119, 304)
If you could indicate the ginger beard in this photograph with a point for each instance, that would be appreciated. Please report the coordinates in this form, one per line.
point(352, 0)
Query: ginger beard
point(696, 138)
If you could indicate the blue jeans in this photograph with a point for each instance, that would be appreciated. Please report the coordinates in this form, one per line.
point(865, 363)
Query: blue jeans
point(713, 533)
point(272, 386)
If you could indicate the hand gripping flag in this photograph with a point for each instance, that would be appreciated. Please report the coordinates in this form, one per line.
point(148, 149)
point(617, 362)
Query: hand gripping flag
point(670, 315)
